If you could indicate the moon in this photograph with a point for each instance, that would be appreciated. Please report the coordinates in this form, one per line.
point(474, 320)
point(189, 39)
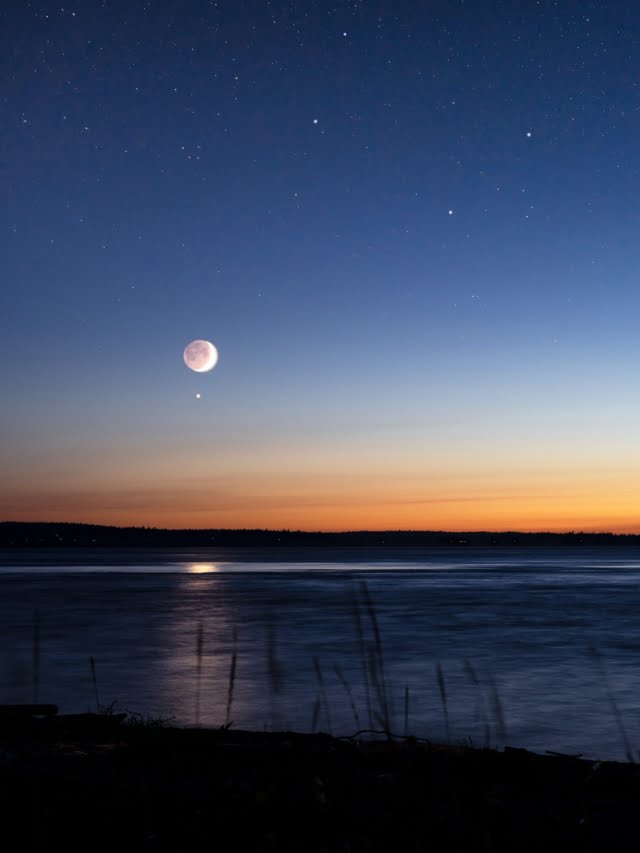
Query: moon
point(200, 356)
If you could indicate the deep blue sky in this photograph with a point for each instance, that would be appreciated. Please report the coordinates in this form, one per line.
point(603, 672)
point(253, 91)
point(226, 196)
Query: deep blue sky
point(410, 228)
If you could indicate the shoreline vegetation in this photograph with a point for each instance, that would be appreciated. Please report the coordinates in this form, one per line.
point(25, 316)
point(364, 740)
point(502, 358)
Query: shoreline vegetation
point(27, 534)
point(104, 781)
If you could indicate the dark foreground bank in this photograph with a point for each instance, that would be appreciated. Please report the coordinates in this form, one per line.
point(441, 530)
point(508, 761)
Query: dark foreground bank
point(107, 783)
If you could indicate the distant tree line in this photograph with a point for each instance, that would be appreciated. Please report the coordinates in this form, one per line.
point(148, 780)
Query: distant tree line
point(20, 534)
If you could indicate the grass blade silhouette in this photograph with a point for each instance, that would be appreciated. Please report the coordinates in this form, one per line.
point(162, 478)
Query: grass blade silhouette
point(481, 707)
point(232, 678)
point(612, 703)
point(406, 710)
point(376, 661)
point(362, 650)
point(94, 681)
point(199, 654)
point(322, 691)
point(35, 659)
point(342, 679)
point(443, 699)
point(498, 710)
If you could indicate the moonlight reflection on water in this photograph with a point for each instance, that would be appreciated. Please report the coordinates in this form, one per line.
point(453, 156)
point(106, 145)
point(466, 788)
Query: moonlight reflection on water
point(202, 568)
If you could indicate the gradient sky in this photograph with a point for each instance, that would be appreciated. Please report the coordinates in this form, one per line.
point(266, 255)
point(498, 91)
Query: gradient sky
point(410, 228)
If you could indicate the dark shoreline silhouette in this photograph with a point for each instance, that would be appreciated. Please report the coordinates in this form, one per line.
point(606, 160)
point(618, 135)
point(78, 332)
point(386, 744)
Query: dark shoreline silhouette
point(98, 782)
point(27, 534)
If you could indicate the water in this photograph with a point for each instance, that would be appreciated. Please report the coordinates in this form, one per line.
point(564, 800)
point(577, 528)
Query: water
point(523, 620)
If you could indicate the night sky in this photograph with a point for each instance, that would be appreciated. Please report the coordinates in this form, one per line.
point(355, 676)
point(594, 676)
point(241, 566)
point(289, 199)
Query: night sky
point(411, 229)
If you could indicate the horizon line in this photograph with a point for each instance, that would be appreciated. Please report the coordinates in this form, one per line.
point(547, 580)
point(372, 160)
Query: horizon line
point(441, 531)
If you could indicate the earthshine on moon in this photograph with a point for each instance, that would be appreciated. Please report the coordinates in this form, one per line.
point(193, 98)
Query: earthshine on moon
point(200, 356)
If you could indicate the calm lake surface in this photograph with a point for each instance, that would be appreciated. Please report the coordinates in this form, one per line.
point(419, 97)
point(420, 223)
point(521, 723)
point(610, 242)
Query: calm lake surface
point(512, 633)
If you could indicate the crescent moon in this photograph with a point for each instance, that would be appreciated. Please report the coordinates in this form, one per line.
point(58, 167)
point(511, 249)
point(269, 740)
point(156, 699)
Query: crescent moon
point(200, 356)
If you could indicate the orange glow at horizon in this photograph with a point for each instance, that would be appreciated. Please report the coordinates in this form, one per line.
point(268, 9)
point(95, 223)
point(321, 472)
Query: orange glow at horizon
point(600, 507)
point(502, 484)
